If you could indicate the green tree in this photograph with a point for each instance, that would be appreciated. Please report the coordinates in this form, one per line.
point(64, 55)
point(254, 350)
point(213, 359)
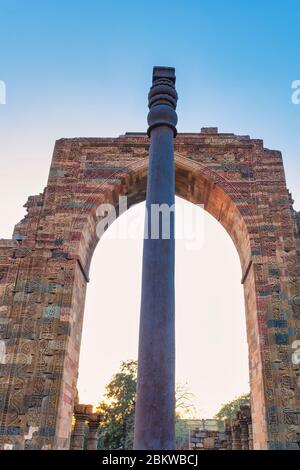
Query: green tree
point(117, 410)
point(184, 409)
point(116, 431)
point(181, 433)
point(184, 402)
point(228, 410)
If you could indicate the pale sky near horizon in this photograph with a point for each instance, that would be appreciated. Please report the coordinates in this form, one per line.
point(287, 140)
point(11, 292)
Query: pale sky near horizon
point(83, 68)
point(211, 345)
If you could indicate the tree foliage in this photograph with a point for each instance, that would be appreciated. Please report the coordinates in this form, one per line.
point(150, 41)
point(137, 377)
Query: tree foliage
point(116, 431)
point(184, 409)
point(184, 402)
point(228, 410)
point(117, 410)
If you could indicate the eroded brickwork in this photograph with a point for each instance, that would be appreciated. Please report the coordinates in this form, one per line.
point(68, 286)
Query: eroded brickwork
point(44, 270)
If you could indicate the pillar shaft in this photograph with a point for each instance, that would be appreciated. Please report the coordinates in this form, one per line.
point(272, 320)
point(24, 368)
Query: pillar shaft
point(228, 434)
point(78, 433)
point(236, 438)
point(250, 436)
point(155, 407)
point(93, 436)
point(244, 435)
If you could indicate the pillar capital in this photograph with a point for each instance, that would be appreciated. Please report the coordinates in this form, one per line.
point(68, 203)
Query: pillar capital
point(82, 412)
point(245, 412)
point(94, 420)
point(162, 99)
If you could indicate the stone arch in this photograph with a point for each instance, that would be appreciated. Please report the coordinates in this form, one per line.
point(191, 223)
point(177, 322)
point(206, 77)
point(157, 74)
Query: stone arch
point(44, 271)
point(194, 182)
point(198, 184)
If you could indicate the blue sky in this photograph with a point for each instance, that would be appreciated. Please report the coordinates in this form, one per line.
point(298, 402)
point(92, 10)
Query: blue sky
point(83, 68)
point(79, 68)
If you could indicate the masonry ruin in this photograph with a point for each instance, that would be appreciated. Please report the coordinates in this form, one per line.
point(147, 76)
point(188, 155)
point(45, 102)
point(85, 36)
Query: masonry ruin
point(44, 271)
